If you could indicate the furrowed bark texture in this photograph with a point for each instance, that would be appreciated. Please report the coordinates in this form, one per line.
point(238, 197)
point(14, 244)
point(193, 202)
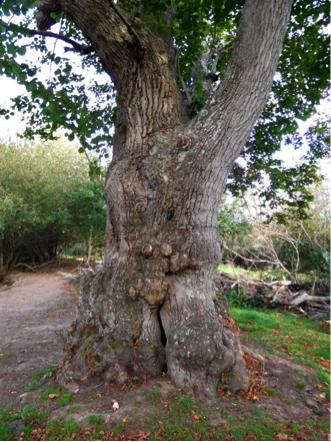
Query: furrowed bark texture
point(151, 305)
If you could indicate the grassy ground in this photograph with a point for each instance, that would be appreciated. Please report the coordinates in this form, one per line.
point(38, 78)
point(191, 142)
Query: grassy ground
point(157, 411)
point(285, 335)
point(267, 274)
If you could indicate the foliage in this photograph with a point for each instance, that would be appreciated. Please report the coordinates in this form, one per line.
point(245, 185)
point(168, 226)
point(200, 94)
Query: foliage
point(81, 108)
point(232, 221)
point(47, 202)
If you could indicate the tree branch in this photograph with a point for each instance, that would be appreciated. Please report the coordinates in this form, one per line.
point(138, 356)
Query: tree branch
point(129, 27)
point(246, 84)
point(76, 47)
point(183, 83)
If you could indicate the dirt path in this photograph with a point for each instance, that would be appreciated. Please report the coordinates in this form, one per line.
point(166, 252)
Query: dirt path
point(31, 312)
point(284, 396)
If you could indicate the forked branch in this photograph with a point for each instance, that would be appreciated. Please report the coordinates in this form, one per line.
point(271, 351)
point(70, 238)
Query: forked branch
point(129, 27)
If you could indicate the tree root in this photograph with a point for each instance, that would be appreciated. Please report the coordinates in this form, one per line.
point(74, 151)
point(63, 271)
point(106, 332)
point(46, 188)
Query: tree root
point(247, 351)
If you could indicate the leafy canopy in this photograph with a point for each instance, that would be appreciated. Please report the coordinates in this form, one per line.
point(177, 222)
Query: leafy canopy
point(66, 100)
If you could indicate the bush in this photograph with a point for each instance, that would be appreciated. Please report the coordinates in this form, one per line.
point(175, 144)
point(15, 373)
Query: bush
point(48, 203)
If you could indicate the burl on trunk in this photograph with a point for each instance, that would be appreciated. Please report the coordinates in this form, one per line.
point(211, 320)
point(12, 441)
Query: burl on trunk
point(150, 308)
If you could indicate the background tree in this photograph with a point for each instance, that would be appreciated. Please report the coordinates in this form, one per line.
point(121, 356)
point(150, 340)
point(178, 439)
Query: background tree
point(190, 84)
point(280, 244)
point(48, 202)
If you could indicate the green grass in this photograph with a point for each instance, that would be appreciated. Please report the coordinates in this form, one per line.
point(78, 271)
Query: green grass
point(33, 415)
point(30, 417)
point(73, 408)
point(118, 430)
point(6, 416)
point(285, 335)
point(92, 398)
point(34, 384)
point(275, 392)
point(51, 390)
point(154, 397)
point(186, 420)
point(97, 422)
point(267, 274)
point(3, 357)
point(58, 430)
point(64, 400)
point(252, 427)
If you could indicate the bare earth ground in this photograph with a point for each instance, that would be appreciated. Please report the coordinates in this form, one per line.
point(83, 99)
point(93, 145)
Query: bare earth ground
point(31, 312)
point(38, 306)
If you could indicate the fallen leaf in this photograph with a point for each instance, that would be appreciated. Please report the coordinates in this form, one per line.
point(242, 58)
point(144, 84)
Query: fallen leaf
point(116, 405)
point(52, 396)
point(196, 418)
point(282, 436)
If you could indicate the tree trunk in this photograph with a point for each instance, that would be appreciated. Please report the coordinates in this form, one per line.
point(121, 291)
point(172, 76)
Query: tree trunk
point(150, 308)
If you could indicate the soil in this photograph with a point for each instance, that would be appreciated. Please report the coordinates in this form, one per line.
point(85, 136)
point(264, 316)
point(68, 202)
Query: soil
point(32, 311)
point(36, 307)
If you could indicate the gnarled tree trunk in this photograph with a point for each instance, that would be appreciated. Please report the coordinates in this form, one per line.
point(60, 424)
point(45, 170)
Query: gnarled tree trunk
point(151, 308)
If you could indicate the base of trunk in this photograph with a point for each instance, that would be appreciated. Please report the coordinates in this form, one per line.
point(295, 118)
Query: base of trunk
point(115, 337)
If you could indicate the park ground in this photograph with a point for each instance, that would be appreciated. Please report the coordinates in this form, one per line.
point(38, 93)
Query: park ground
point(288, 397)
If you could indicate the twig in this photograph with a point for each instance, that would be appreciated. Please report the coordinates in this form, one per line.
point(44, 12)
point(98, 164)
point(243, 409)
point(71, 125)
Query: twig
point(50, 66)
point(25, 265)
point(76, 47)
point(99, 385)
point(183, 83)
point(46, 362)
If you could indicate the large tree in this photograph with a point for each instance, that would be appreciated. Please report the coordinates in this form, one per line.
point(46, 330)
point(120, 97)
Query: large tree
point(190, 80)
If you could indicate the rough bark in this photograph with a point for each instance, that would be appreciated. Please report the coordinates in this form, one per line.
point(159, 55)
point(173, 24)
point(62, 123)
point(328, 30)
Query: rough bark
point(150, 307)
